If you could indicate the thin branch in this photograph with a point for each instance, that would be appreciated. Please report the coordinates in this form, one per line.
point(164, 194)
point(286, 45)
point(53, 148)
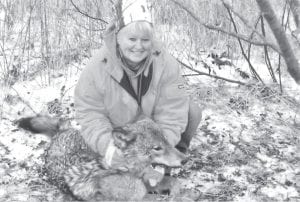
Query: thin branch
point(295, 6)
point(25, 102)
point(252, 69)
point(247, 24)
point(206, 74)
point(216, 28)
point(83, 26)
point(267, 57)
point(252, 34)
point(85, 14)
point(279, 73)
point(185, 75)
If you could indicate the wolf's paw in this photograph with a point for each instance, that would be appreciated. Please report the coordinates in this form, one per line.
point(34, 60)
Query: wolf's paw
point(167, 186)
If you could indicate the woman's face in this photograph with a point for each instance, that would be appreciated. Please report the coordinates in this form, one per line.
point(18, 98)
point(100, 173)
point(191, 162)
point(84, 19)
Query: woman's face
point(135, 44)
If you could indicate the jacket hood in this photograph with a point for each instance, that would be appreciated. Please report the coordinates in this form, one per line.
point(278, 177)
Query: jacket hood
point(110, 40)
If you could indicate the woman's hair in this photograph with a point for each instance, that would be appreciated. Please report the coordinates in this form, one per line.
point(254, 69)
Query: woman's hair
point(141, 26)
point(144, 26)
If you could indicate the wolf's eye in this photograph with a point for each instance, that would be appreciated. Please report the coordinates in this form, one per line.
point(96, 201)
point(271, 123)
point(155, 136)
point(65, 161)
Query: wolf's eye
point(157, 148)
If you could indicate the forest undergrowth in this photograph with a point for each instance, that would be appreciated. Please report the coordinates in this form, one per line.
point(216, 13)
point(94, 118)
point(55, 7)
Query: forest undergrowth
point(246, 148)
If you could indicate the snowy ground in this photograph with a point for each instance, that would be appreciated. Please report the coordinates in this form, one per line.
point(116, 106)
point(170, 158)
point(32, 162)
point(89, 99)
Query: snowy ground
point(247, 147)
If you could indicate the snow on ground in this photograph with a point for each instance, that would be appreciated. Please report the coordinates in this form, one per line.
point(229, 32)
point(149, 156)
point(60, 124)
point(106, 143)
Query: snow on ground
point(247, 146)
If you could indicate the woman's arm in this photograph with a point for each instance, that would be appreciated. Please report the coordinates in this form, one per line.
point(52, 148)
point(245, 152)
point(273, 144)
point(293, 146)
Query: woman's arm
point(171, 109)
point(90, 109)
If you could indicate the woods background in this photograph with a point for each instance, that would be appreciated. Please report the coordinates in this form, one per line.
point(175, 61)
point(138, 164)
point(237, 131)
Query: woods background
point(45, 35)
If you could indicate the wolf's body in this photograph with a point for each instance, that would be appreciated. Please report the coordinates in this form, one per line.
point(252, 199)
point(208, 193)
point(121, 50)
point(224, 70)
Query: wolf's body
point(73, 166)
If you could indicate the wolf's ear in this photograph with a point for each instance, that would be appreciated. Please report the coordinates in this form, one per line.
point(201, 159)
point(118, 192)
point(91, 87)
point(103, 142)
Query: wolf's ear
point(122, 138)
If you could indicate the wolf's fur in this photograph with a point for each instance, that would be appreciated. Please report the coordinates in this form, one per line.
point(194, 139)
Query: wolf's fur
point(73, 166)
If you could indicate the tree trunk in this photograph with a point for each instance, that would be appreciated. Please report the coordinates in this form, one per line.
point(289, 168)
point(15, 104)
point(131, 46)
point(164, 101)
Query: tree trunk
point(284, 45)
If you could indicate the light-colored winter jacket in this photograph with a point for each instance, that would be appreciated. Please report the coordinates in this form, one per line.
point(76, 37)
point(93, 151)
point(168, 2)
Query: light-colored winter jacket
point(103, 99)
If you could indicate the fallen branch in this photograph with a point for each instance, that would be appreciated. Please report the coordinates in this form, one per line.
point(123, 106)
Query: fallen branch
point(26, 103)
point(206, 74)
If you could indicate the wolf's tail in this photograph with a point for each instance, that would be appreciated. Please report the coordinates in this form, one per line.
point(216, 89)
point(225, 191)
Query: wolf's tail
point(40, 124)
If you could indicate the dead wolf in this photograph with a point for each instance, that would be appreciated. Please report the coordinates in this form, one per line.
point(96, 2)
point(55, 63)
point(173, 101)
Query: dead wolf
point(74, 168)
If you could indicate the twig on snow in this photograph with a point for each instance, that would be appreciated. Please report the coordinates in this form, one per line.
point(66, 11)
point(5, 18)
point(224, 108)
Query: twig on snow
point(25, 102)
point(206, 74)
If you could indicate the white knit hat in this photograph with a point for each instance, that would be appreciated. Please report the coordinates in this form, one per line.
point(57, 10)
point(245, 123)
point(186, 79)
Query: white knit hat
point(135, 10)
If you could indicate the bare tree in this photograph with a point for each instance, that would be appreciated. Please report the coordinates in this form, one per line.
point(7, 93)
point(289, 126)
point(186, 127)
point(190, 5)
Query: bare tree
point(281, 38)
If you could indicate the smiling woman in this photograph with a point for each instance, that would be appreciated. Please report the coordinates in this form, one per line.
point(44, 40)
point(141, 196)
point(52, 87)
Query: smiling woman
point(135, 43)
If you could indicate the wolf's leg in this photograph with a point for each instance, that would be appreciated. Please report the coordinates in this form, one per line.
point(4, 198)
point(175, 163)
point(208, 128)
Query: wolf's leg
point(83, 179)
point(194, 118)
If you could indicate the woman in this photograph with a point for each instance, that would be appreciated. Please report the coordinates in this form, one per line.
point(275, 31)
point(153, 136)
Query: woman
point(132, 75)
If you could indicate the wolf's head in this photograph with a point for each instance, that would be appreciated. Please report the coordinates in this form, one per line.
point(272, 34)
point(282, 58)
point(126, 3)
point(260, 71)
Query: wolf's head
point(144, 141)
